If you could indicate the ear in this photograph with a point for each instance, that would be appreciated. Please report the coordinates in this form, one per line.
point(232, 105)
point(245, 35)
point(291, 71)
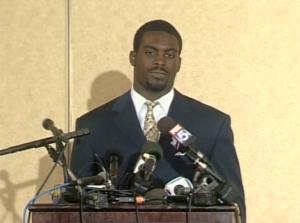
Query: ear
point(132, 58)
point(179, 64)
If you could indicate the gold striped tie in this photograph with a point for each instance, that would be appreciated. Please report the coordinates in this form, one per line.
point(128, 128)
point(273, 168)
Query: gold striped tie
point(150, 128)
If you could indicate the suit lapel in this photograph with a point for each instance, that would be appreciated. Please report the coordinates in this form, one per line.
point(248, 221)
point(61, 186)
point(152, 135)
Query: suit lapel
point(126, 120)
point(180, 110)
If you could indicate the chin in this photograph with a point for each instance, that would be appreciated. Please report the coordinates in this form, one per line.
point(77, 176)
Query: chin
point(156, 87)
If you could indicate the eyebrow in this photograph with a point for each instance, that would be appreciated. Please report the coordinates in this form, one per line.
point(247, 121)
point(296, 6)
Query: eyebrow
point(166, 50)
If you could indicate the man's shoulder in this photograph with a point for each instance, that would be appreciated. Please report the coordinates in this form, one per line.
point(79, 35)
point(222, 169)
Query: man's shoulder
point(107, 108)
point(196, 106)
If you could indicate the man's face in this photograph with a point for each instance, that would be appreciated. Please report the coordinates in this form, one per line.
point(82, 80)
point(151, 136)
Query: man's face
point(155, 63)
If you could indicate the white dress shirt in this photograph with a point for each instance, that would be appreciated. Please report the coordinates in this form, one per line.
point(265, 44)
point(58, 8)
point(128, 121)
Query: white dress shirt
point(161, 110)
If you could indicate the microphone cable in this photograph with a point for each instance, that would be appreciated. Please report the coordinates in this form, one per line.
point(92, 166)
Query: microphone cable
point(49, 174)
point(87, 164)
point(52, 169)
point(83, 197)
point(137, 211)
point(37, 197)
point(189, 213)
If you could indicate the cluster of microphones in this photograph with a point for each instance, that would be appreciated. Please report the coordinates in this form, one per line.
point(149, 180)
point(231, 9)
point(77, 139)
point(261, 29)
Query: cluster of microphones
point(207, 187)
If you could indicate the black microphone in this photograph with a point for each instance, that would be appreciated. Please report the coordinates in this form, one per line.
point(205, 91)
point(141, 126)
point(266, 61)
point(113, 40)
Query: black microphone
point(155, 196)
point(151, 153)
point(226, 192)
point(48, 124)
point(115, 159)
point(158, 196)
point(97, 180)
point(43, 142)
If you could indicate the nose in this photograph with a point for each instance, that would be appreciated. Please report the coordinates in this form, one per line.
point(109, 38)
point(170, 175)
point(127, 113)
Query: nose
point(160, 59)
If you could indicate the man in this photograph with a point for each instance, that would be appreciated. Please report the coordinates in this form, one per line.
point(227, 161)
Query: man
point(119, 123)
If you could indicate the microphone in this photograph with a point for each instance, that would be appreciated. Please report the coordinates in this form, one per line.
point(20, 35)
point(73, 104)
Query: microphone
point(133, 199)
point(115, 160)
point(155, 196)
point(179, 186)
point(182, 140)
point(98, 180)
point(43, 142)
point(139, 165)
point(159, 196)
point(48, 124)
point(151, 154)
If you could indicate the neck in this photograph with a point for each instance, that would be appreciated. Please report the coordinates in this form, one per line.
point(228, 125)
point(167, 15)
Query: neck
point(151, 95)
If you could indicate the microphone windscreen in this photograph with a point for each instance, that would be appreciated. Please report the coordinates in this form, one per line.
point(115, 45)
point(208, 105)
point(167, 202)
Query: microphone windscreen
point(227, 192)
point(154, 149)
point(98, 180)
point(47, 123)
point(165, 124)
point(155, 196)
point(113, 152)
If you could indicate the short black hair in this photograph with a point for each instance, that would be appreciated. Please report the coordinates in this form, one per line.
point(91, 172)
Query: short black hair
point(156, 25)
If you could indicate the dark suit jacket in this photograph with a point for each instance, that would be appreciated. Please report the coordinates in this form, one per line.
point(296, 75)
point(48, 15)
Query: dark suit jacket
point(115, 125)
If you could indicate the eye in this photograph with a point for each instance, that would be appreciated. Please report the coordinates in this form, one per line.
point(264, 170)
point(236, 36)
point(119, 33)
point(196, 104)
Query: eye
point(150, 53)
point(170, 55)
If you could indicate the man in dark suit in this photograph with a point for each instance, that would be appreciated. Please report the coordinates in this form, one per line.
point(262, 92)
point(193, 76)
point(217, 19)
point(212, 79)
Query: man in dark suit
point(118, 124)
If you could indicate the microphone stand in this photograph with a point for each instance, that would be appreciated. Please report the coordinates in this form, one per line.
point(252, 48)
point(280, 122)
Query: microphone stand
point(43, 142)
point(225, 191)
point(68, 194)
point(205, 168)
point(60, 148)
point(59, 157)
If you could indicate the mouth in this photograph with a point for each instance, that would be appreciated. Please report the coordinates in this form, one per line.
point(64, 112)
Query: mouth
point(158, 73)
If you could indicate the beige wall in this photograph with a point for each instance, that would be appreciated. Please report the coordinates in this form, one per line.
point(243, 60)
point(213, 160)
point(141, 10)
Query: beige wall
point(32, 87)
point(239, 56)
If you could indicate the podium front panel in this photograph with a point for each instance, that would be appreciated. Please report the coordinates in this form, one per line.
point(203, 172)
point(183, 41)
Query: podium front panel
point(130, 213)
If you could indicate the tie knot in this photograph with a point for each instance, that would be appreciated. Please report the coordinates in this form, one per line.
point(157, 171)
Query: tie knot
point(151, 104)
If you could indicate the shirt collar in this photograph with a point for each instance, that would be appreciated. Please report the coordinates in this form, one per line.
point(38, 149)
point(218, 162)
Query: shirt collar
point(164, 101)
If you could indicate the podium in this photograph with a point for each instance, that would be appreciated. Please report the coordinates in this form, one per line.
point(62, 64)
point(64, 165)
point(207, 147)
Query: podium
point(130, 213)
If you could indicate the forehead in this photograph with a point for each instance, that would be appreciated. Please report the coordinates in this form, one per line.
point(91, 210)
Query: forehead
point(159, 40)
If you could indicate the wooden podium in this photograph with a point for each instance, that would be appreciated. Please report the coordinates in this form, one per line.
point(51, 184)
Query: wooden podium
point(129, 213)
